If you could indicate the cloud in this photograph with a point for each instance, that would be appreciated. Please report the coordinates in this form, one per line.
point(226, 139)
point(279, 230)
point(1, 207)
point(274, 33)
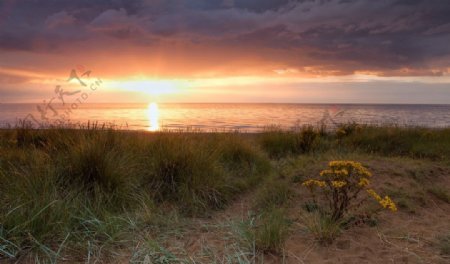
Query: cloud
point(59, 19)
point(112, 19)
point(12, 79)
point(312, 36)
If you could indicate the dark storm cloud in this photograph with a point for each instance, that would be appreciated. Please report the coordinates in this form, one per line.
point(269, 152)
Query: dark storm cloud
point(340, 36)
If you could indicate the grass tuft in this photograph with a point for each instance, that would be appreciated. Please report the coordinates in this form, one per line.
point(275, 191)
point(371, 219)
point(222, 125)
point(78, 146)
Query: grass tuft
point(96, 168)
point(322, 227)
point(265, 233)
point(186, 173)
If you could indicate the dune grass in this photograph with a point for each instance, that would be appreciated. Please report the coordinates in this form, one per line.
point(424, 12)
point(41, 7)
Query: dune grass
point(280, 143)
point(95, 192)
point(74, 189)
point(265, 232)
point(322, 227)
point(415, 142)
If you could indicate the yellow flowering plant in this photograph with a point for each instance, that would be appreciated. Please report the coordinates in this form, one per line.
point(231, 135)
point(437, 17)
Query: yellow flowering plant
point(341, 185)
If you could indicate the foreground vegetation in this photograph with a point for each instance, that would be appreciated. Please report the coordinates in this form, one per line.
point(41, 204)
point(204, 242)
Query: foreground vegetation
point(99, 194)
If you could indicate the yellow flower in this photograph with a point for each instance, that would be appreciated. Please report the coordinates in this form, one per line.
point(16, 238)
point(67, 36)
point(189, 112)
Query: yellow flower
point(363, 182)
point(337, 163)
point(311, 183)
point(349, 165)
point(325, 172)
point(374, 194)
point(338, 184)
point(341, 173)
point(388, 203)
point(363, 171)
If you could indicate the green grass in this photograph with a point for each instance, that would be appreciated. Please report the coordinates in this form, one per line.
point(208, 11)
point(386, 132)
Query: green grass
point(99, 194)
point(99, 168)
point(273, 193)
point(266, 232)
point(413, 142)
point(322, 227)
point(280, 143)
point(88, 191)
point(200, 173)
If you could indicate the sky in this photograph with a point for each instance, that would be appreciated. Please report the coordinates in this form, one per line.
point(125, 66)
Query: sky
point(304, 51)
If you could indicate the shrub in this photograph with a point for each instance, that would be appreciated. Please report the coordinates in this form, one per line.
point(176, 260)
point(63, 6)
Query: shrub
point(344, 130)
point(340, 186)
point(307, 140)
point(279, 143)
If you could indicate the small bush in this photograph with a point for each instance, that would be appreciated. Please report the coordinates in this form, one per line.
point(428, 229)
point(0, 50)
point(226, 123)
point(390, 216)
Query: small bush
point(279, 143)
point(344, 130)
point(340, 186)
point(307, 140)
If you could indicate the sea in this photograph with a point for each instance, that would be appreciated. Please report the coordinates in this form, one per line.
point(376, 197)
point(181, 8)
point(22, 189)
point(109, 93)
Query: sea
point(221, 117)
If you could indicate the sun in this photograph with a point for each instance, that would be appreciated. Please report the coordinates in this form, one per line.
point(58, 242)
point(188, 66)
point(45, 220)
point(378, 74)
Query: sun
point(152, 87)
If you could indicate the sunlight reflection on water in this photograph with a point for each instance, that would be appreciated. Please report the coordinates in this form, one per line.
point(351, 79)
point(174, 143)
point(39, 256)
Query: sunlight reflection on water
point(245, 117)
point(153, 117)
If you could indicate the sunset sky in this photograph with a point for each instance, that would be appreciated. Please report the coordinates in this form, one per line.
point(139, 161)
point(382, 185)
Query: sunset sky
point(306, 51)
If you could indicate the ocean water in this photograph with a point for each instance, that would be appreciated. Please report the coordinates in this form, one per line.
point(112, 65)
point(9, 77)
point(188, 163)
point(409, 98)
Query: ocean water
point(225, 117)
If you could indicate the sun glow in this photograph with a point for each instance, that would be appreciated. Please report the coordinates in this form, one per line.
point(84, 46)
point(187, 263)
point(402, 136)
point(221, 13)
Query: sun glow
point(153, 117)
point(152, 87)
